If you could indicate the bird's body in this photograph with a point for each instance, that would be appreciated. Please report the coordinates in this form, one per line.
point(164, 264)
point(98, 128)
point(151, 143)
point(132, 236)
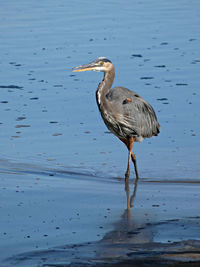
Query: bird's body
point(133, 116)
point(125, 113)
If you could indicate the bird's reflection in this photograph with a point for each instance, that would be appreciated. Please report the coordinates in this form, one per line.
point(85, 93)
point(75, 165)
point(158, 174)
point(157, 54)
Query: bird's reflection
point(127, 225)
point(130, 198)
point(130, 230)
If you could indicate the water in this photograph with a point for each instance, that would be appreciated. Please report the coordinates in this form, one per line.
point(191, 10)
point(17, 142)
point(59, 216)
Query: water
point(53, 141)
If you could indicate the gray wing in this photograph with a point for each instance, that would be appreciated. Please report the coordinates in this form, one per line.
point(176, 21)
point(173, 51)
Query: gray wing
point(134, 116)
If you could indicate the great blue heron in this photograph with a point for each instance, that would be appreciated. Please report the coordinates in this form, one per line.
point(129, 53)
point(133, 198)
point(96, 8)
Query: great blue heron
point(126, 114)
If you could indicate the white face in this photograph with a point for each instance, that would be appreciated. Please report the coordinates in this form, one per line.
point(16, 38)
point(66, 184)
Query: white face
point(100, 68)
point(103, 66)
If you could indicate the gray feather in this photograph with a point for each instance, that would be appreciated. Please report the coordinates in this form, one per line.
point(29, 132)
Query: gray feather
point(135, 117)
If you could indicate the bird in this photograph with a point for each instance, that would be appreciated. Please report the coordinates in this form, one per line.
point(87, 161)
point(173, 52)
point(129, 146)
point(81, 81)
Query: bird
point(125, 113)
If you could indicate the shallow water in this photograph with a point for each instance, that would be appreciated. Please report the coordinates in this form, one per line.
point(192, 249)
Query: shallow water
point(57, 158)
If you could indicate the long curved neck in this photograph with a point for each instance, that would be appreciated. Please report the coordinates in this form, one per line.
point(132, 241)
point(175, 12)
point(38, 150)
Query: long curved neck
point(104, 86)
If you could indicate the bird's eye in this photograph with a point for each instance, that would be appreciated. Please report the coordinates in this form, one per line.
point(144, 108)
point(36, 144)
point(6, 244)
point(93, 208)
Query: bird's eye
point(101, 62)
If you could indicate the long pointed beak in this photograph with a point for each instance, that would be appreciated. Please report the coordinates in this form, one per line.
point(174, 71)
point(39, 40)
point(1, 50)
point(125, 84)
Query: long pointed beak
point(86, 67)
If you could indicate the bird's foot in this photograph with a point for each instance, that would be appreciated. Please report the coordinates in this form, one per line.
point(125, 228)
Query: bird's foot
point(127, 174)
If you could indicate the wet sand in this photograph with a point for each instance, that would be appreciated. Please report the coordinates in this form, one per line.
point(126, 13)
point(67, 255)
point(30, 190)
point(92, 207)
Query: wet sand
point(57, 216)
point(63, 197)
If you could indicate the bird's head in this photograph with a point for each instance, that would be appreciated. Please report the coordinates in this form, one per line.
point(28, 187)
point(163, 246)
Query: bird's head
point(100, 64)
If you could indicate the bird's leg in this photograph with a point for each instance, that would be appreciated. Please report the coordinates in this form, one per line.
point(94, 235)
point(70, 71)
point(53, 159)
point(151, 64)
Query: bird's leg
point(127, 174)
point(135, 165)
point(129, 145)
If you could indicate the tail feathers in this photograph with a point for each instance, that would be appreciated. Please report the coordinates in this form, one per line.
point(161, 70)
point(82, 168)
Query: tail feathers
point(158, 129)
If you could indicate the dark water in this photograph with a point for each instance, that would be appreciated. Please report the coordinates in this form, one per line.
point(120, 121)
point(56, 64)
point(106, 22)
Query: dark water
point(57, 159)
